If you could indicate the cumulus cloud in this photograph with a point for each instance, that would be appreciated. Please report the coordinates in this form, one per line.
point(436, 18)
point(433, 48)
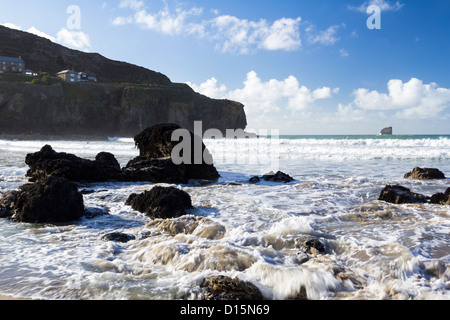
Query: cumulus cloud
point(267, 97)
point(230, 33)
point(409, 100)
point(382, 4)
point(73, 39)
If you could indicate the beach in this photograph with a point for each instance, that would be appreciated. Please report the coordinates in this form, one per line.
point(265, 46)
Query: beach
point(256, 232)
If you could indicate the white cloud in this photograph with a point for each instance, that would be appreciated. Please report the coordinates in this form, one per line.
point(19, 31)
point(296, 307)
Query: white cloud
point(230, 33)
point(344, 53)
point(169, 23)
point(326, 37)
point(267, 97)
point(409, 100)
point(120, 21)
point(73, 39)
point(241, 35)
point(383, 4)
point(133, 4)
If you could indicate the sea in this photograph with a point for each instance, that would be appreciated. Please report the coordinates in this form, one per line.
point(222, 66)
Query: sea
point(373, 250)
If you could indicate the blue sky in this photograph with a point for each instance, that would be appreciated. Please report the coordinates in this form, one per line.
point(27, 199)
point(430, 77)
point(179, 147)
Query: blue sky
point(300, 66)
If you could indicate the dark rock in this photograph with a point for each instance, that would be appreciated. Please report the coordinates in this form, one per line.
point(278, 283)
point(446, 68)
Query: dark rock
point(91, 213)
point(6, 203)
point(5, 213)
point(255, 179)
point(118, 237)
point(313, 246)
point(156, 143)
point(278, 177)
point(155, 170)
point(226, 288)
point(108, 160)
point(387, 131)
point(273, 177)
point(49, 200)
point(399, 195)
point(161, 202)
point(48, 162)
point(441, 198)
point(425, 174)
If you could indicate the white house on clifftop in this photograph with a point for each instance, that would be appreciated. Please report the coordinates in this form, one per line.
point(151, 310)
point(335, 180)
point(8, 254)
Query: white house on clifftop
point(73, 76)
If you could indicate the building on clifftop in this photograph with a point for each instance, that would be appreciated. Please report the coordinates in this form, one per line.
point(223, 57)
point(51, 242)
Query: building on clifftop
point(12, 65)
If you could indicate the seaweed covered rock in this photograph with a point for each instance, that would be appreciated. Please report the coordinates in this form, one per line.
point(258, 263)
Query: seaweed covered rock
point(425, 174)
point(401, 195)
point(161, 202)
point(50, 200)
point(226, 288)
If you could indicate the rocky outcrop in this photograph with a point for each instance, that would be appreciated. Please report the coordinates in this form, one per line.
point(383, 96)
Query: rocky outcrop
point(49, 200)
point(441, 198)
point(225, 288)
point(161, 202)
point(387, 131)
point(194, 158)
point(273, 177)
point(401, 195)
point(425, 174)
point(48, 162)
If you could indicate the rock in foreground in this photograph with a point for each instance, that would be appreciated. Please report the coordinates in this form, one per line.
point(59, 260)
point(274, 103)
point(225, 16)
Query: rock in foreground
point(425, 174)
point(161, 202)
point(50, 200)
point(401, 195)
point(48, 162)
point(156, 143)
point(226, 288)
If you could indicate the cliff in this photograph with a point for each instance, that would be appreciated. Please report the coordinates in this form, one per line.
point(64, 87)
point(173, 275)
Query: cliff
point(126, 99)
point(96, 109)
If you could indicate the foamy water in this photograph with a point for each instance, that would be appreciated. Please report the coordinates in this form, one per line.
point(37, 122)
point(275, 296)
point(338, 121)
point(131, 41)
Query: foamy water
point(374, 250)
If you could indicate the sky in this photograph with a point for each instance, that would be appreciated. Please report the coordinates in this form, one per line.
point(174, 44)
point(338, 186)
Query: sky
point(299, 66)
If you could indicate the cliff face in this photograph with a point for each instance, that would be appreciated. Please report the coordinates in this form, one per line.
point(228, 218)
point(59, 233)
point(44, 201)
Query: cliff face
point(109, 110)
point(110, 107)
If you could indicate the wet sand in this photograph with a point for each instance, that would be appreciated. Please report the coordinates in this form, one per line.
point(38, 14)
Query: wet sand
point(6, 298)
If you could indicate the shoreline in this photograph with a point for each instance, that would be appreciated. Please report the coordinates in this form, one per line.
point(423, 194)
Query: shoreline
point(10, 298)
point(44, 137)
